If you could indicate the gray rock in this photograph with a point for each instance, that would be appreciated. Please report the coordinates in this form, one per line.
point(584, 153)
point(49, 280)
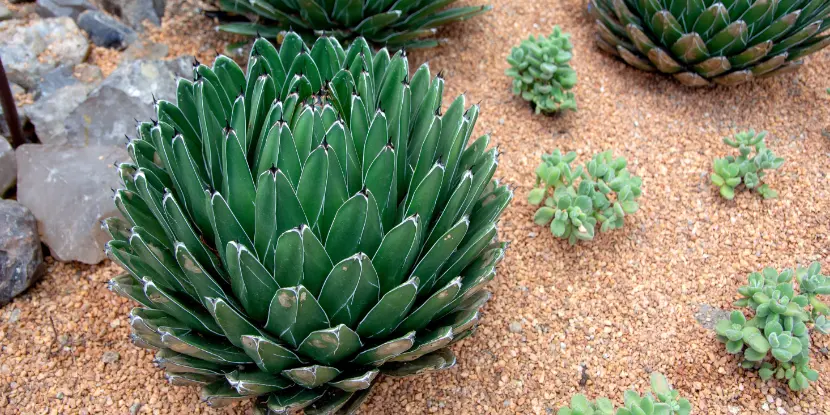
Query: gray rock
point(49, 113)
point(65, 75)
point(105, 31)
point(21, 258)
point(30, 49)
point(16, 89)
point(709, 316)
point(68, 191)
point(8, 166)
point(54, 80)
point(5, 13)
point(61, 8)
point(107, 113)
point(144, 49)
point(110, 357)
point(135, 12)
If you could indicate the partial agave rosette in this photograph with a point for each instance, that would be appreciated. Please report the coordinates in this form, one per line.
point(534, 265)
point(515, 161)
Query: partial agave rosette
point(724, 41)
point(388, 23)
point(296, 230)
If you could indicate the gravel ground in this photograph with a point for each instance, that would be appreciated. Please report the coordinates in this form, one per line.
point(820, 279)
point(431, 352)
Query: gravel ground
point(593, 319)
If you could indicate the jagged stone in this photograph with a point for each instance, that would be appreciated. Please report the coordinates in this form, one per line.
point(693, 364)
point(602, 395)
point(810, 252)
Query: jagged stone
point(61, 8)
point(66, 75)
point(5, 13)
point(21, 258)
point(30, 49)
point(144, 49)
point(68, 189)
point(106, 115)
point(48, 114)
point(106, 31)
point(8, 166)
point(135, 12)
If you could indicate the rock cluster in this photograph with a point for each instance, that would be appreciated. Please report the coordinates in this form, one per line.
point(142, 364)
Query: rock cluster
point(57, 188)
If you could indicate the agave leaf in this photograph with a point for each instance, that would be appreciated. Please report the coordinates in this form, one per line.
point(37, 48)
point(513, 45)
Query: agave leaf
point(311, 376)
point(397, 251)
point(439, 360)
point(292, 400)
point(289, 258)
point(428, 267)
point(251, 283)
point(219, 394)
point(425, 312)
point(269, 356)
point(350, 290)
point(378, 355)
point(329, 403)
point(256, 383)
point(713, 66)
point(311, 189)
point(690, 48)
point(426, 343)
point(190, 379)
point(751, 55)
point(232, 322)
point(126, 286)
point(816, 44)
point(392, 308)
point(356, 382)
point(213, 349)
point(348, 227)
point(666, 28)
point(730, 40)
point(173, 362)
point(202, 281)
point(294, 313)
point(331, 345)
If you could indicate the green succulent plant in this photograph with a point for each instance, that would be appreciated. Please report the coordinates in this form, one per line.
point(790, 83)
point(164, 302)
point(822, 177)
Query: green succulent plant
point(667, 402)
point(541, 72)
point(747, 168)
point(383, 23)
point(295, 230)
point(724, 42)
point(575, 200)
point(776, 341)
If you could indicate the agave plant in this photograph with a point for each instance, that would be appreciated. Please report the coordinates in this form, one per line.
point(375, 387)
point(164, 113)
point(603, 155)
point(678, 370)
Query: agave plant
point(394, 24)
point(291, 238)
point(722, 41)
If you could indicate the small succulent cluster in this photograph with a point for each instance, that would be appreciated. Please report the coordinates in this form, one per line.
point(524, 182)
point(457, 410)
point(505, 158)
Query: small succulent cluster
point(541, 72)
point(666, 402)
point(575, 200)
point(781, 325)
point(748, 167)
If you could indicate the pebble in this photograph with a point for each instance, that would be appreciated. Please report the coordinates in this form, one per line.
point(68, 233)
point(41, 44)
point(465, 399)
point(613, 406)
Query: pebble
point(110, 357)
point(515, 327)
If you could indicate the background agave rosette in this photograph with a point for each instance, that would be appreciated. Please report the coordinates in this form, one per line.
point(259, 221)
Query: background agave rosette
point(296, 230)
point(723, 41)
point(394, 24)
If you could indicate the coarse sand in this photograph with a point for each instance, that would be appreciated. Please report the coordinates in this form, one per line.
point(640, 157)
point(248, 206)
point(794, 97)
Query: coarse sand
point(594, 318)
